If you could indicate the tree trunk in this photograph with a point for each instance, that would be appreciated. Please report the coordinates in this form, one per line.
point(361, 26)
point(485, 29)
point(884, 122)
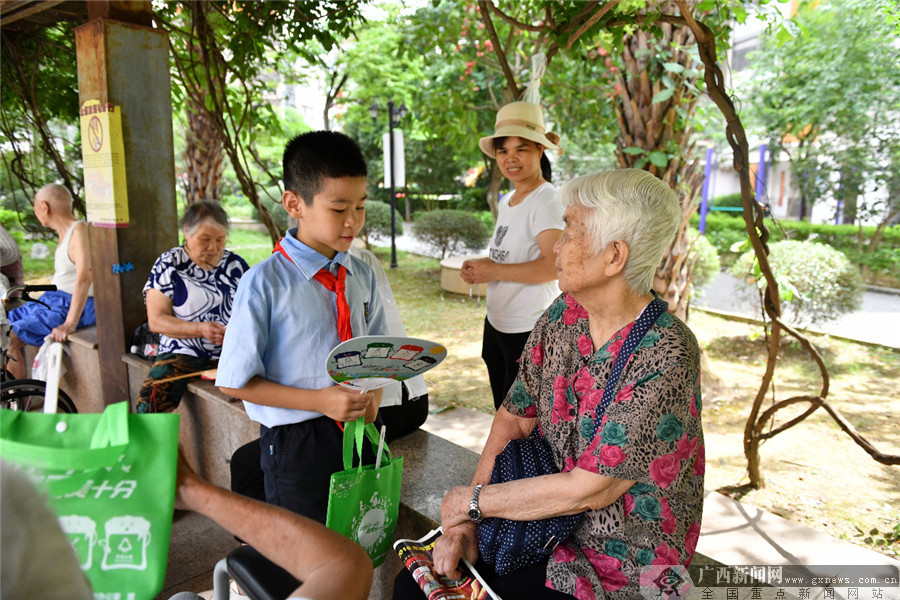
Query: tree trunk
point(203, 156)
point(662, 126)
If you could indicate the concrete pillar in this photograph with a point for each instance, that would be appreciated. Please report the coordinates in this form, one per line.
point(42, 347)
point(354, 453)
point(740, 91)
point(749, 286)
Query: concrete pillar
point(127, 64)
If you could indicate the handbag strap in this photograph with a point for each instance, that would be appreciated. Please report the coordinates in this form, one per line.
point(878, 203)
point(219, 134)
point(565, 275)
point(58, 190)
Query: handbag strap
point(353, 436)
point(108, 442)
point(640, 328)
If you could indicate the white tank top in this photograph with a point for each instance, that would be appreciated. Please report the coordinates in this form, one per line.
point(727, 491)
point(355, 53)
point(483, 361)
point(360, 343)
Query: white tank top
point(64, 271)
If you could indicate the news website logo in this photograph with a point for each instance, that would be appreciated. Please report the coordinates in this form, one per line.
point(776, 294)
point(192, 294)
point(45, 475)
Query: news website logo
point(665, 582)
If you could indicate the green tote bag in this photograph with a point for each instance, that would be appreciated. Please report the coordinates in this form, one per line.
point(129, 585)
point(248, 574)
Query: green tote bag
point(363, 502)
point(110, 479)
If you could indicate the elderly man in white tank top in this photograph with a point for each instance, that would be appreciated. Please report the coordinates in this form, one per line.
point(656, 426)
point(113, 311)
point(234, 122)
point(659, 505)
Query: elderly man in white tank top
point(72, 305)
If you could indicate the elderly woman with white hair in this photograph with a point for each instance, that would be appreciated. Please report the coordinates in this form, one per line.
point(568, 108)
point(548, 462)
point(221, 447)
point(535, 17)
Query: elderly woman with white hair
point(189, 295)
point(632, 464)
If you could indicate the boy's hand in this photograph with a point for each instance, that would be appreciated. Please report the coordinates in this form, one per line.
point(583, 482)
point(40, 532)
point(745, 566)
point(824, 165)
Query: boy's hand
point(342, 404)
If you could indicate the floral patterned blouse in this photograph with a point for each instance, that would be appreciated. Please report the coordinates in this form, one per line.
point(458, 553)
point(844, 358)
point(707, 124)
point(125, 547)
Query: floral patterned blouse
point(651, 434)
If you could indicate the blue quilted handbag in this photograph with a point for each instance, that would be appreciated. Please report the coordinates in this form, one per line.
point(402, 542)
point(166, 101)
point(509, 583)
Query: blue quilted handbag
point(512, 545)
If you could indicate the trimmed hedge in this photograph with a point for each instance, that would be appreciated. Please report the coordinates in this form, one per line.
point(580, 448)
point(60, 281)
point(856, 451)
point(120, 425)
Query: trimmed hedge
point(816, 282)
point(725, 231)
point(450, 231)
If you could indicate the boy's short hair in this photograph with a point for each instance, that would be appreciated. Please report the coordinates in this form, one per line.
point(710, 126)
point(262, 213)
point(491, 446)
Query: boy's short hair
point(312, 157)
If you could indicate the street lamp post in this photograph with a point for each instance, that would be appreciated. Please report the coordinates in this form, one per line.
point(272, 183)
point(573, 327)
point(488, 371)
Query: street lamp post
point(394, 116)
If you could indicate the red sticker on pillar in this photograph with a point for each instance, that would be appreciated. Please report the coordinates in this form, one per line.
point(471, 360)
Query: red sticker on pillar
point(103, 155)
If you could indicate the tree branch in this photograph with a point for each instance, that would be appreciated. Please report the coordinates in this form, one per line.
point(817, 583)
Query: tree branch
point(518, 24)
point(512, 86)
point(591, 22)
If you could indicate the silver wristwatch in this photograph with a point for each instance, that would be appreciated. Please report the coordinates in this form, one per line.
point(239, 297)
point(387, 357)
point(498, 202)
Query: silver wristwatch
point(474, 511)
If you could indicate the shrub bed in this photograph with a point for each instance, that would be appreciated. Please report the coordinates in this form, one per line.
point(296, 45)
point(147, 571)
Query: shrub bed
point(725, 232)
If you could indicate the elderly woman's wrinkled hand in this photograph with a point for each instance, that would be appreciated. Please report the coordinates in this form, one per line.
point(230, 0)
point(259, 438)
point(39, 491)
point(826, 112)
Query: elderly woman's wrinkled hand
point(214, 332)
point(455, 544)
point(455, 506)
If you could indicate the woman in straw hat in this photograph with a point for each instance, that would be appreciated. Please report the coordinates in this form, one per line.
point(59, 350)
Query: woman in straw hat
point(519, 273)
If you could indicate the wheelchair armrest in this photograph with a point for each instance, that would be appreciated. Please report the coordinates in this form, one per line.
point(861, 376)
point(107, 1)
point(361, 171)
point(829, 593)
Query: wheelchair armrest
point(260, 578)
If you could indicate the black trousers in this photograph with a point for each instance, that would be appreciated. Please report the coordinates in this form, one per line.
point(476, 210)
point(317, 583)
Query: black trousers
point(291, 466)
point(527, 583)
point(501, 353)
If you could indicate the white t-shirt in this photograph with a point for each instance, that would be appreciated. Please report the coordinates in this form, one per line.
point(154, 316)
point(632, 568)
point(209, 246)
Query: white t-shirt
point(515, 307)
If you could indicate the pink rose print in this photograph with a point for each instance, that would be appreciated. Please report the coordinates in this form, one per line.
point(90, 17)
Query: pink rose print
point(693, 410)
point(537, 354)
point(588, 462)
point(628, 499)
point(611, 455)
point(561, 406)
point(616, 346)
point(584, 590)
point(608, 568)
point(583, 383)
point(563, 553)
point(666, 555)
point(589, 403)
point(664, 470)
point(690, 541)
point(531, 412)
point(585, 345)
point(549, 584)
point(625, 393)
point(574, 311)
point(669, 523)
point(685, 448)
point(700, 461)
point(568, 464)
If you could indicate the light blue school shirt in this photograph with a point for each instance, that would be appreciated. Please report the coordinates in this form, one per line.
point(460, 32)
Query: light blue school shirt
point(284, 324)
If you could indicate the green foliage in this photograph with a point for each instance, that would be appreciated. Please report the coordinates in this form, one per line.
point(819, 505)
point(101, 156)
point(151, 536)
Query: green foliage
point(271, 199)
point(487, 218)
point(729, 201)
point(816, 281)
point(378, 221)
point(706, 260)
point(451, 231)
point(828, 97)
point(18, 213)
point(886, 541)
point(38, 109)
point(728, 234)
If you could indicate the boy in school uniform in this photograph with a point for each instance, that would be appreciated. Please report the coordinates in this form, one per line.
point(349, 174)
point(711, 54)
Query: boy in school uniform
point(289, 312)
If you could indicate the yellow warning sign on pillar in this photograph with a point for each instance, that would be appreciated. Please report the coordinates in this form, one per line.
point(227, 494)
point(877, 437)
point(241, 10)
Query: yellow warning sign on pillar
point(103, 155)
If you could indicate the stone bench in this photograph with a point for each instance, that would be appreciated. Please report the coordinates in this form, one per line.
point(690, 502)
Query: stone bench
point(213, 425)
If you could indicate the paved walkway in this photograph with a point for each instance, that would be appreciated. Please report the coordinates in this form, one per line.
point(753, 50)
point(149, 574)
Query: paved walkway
point(876, 322)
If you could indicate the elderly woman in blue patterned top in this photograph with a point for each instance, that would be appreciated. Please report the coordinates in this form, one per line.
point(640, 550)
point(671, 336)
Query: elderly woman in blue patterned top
point(188, 296)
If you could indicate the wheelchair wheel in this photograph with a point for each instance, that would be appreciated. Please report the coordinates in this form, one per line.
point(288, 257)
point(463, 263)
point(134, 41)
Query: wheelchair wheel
point(28, 395)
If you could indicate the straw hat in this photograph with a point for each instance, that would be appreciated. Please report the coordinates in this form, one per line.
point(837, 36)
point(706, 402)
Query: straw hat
point(525, 118)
